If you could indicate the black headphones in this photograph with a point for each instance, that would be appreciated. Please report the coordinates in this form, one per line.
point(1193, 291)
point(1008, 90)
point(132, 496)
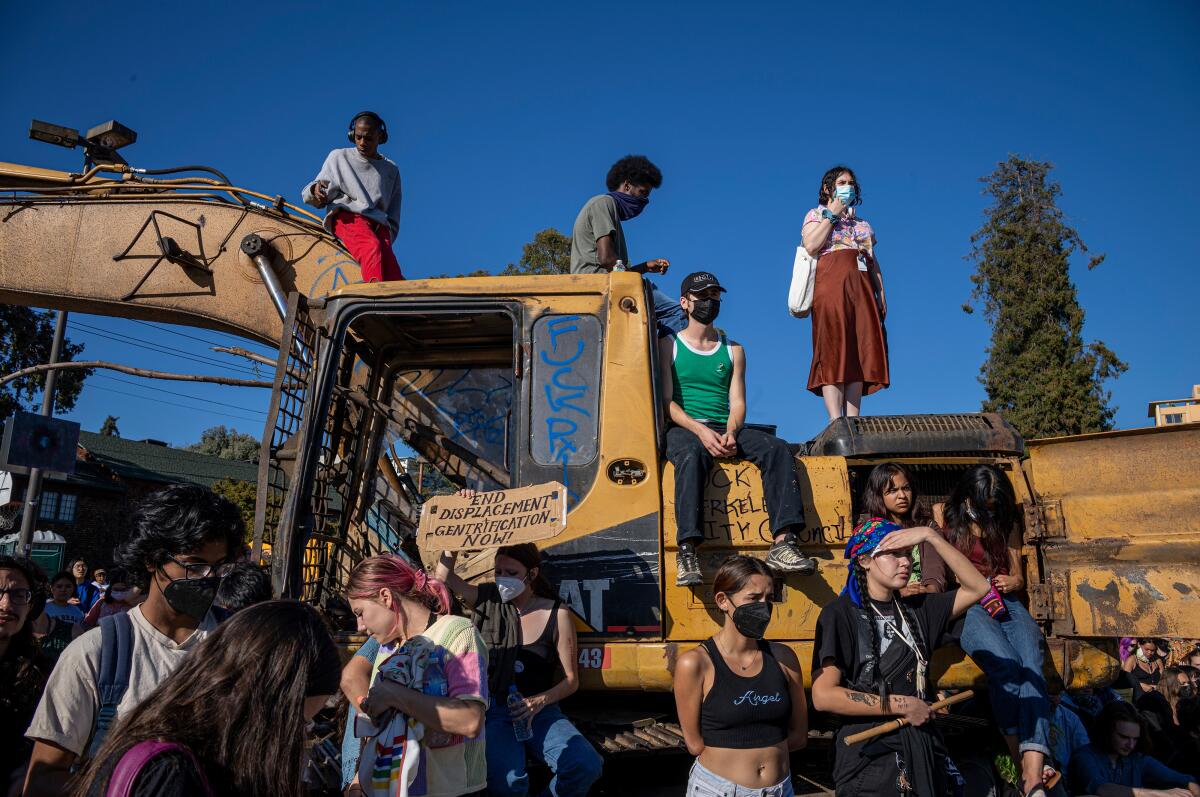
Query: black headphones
point(383, 136)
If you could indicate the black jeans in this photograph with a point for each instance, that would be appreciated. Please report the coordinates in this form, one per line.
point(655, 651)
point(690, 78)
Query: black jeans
point(692, 463)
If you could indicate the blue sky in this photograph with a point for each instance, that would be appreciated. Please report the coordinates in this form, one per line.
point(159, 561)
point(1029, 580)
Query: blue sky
point(505, 117)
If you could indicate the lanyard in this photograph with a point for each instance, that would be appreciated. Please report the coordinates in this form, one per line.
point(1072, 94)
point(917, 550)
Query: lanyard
point(904, 633)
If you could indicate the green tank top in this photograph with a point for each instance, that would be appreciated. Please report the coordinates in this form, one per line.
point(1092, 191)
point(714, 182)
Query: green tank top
point(700, 380)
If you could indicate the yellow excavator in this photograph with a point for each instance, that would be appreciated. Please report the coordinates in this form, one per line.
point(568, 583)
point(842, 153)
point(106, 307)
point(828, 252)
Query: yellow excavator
point(504, 382)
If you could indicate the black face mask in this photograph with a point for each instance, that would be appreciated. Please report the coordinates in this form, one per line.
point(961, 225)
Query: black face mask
point(192, 596)
point(751, 619)
point(705, 310)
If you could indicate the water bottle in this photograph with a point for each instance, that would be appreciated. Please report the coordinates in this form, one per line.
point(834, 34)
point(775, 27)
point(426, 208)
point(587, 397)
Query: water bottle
point(521, 728)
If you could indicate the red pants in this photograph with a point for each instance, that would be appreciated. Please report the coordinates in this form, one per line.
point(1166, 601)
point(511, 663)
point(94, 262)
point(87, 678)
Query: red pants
point(370, 243)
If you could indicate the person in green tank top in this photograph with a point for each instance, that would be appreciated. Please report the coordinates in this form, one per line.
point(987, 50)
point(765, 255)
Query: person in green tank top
point(707, 411)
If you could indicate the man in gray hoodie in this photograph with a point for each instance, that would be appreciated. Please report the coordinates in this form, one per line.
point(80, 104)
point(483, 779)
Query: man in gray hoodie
point(361, 188)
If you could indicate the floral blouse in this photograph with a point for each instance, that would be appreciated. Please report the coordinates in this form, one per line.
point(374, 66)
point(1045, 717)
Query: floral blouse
point(849, 232)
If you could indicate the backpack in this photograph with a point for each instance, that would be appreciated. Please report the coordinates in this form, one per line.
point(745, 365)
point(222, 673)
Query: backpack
point(135, 759)
point(116, 660)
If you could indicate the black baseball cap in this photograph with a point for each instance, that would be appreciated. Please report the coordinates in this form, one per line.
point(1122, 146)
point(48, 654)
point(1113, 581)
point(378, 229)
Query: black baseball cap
point(698, 281)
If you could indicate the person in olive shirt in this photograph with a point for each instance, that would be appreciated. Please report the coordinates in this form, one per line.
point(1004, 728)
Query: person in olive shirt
point(707, 410)
point(598, 241)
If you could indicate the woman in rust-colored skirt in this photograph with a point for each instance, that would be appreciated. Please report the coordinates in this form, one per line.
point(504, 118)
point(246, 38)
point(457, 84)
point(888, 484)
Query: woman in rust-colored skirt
point(849, 347)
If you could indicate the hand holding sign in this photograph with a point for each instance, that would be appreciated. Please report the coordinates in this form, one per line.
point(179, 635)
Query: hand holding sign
point(489, 520)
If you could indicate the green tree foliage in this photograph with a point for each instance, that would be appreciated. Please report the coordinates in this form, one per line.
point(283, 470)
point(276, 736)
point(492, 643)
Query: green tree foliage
point(1039, 372)
point(548, 253)
point(227, 444)
point(109, 427)
point(242, 494)
point(25, 338)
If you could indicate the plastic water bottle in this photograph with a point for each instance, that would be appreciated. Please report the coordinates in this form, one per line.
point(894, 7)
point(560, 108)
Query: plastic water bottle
point(521, 728)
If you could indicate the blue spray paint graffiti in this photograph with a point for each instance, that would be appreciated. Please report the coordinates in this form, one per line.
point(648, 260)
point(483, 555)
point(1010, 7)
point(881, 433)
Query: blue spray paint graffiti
point(333, 276)
point(570, 398)
point(473, 404)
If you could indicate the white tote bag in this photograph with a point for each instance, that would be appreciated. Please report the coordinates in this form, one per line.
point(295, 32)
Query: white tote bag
point(804, 274)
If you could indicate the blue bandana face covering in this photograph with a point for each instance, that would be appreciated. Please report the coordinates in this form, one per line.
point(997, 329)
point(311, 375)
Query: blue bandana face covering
point(628, 205)
point(846, 193)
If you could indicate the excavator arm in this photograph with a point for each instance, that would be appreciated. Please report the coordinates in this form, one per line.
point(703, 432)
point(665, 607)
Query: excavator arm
point(186, 250)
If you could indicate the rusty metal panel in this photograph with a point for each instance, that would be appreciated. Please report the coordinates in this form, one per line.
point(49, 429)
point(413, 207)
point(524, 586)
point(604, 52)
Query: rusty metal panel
point(1121, 547)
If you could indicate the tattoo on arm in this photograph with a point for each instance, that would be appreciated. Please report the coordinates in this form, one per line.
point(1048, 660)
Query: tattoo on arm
point(862, 697)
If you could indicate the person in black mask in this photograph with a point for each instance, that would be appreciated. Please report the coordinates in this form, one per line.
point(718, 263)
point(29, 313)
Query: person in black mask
point(707, 411)
point(598, 240)
point(184, 540)
point(871, 662)
point(740, 699)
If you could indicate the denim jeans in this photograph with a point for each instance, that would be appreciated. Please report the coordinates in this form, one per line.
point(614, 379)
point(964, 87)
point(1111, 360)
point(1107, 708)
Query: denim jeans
point(575, 763)
point(692, 463)
point(667, 311)
point(703, 783)
point(1010, 654)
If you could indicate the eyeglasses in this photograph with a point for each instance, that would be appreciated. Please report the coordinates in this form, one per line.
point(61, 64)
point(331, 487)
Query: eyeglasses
point(17, 596)
point(204, 569)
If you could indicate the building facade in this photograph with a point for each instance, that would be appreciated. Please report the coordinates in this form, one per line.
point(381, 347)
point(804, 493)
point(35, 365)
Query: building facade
point(91, 508)
point(1174, 411)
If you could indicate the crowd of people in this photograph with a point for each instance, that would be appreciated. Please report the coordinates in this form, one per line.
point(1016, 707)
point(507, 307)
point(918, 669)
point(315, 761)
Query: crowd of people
point(203, 685)
point(173, 672)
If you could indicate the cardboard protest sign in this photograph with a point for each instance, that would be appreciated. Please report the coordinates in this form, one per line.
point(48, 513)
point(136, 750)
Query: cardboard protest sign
point(489, 520)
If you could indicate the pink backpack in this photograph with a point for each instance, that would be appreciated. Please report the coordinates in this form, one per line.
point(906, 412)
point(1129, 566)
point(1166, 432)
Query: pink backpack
point(135, 759)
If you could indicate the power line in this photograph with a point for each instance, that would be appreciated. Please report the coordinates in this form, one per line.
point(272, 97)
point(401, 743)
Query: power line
point(183, 395)
point(162, 348)
point(166, 328)
point(176, 404)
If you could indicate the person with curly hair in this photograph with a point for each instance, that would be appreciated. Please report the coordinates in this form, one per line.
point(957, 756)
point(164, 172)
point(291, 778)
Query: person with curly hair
point(598, 239)
point(850, 357)
point(184, 540)
point(23, 668)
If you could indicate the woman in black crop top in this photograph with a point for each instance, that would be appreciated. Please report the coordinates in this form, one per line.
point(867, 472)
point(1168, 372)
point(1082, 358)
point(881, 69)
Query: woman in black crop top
point(531, 639)
point(740, 699)
point(870, 661)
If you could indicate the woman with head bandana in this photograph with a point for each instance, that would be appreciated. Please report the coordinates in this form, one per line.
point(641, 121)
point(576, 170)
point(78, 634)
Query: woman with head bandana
point(740, 698)
point(870, 661)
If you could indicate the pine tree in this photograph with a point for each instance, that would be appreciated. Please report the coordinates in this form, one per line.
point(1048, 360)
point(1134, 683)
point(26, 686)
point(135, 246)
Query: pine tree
point(1039, 372)
point(109, 427)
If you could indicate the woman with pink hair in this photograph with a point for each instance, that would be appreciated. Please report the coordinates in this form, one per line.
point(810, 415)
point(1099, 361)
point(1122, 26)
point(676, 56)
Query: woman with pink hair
point(430, 669)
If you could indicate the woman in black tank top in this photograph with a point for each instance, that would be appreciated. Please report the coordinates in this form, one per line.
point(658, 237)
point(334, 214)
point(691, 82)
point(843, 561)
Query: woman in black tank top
point(526, 653)
point(1143, 667)
point(740, 699)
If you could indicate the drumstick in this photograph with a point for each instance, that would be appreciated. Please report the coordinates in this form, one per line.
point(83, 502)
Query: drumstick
point(900, 722)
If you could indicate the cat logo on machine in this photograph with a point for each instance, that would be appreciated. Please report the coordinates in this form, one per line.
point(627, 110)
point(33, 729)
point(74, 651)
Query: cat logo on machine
point(626, 472)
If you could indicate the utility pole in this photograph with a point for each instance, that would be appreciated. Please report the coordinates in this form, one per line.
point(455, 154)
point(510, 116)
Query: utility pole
point(33, 490)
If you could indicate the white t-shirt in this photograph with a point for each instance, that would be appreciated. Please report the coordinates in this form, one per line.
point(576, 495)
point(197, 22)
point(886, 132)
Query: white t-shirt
point(68, 707)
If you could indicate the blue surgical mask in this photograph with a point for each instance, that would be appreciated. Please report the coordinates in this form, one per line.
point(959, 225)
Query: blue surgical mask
point(846, 193)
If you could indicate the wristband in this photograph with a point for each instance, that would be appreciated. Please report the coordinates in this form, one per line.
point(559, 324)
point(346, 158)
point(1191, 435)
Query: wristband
point(829, 215)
